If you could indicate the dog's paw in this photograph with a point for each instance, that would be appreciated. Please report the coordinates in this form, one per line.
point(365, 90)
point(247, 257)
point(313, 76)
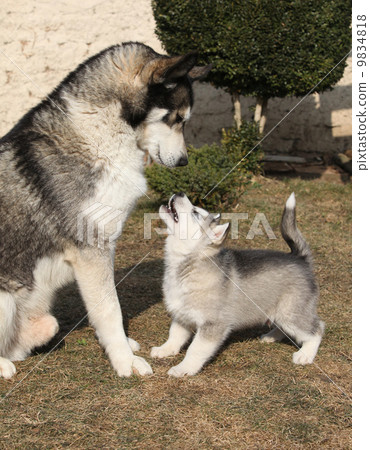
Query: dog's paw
point(181, 370)
point(163, 351)
point(265, 338)
point(274, 335)
point(302, 358)
point(135, 346)
point(7, 368)
point(132, 365)
point(140, 366)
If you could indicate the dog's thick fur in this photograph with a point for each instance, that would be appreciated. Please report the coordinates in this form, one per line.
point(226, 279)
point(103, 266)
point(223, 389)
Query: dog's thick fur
point(83, 145)
point(212, 291)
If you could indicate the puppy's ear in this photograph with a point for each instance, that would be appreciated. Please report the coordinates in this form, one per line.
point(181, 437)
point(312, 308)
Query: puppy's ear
point(217, 217)
point(219, 233)
point(168, 69)
point(199, 72)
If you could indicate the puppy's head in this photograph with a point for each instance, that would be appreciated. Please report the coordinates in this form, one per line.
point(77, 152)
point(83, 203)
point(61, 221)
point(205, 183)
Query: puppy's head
point(190, 228)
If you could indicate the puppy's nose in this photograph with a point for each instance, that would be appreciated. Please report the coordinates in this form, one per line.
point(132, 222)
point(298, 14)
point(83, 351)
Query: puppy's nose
point(183, 161)
point(180, 194)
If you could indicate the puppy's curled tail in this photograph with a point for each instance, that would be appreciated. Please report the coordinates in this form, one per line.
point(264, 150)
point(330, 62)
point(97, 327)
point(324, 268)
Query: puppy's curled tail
point(290, 232)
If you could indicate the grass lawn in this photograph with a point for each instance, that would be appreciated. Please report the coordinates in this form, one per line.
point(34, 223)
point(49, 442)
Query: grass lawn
point(250, 396)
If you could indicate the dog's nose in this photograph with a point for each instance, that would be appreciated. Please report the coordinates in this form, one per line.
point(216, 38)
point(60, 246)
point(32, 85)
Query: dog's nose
point(183, 161)
point(180, 194)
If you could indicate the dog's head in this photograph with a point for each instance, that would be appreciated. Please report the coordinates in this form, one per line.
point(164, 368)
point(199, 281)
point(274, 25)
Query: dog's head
point(190, 228)
point(169, 102)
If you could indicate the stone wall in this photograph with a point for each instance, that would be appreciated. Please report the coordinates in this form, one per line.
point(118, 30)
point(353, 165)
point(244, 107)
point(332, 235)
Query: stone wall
point(41, 41)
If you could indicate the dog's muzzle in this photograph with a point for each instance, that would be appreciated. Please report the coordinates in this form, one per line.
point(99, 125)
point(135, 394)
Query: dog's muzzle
point(183, 161)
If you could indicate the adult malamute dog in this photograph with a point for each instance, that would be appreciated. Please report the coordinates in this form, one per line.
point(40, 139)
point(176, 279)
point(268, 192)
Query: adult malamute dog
point(214, 290)
point(83, 146)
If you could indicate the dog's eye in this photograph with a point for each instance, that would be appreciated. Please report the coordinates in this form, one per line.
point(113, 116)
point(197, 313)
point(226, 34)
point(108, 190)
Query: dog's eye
point(165, 118)
point(178, 119)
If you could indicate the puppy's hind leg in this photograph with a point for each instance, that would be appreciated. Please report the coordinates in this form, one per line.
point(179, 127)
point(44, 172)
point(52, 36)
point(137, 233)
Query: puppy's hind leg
point(178, 337)
point(307, 334)
point(310, 346)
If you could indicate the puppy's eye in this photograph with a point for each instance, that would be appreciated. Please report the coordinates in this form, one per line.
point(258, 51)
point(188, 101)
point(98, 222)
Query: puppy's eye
point(178, 119)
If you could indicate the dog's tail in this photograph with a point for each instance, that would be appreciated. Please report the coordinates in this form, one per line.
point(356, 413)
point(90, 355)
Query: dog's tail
point(290, 232)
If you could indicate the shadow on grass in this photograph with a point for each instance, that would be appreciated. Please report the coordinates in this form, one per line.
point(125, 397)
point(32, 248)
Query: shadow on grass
point(137, 291)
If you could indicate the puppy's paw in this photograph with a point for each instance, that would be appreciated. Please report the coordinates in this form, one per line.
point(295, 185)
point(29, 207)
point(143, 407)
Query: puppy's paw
point(7, 368)
point(274, 335)
point(181, 370)
point(265, 338)
point(135, 346)
point(132, 365)
point(302, 358)
point(164, 351)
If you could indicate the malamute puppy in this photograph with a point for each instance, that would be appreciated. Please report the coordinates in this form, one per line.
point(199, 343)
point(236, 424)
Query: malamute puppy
point(212, 290)
point(79, 150)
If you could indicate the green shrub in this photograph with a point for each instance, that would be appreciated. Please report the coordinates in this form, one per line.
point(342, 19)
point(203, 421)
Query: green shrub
point(242, 142)
point(260, 47)
point(208, 165)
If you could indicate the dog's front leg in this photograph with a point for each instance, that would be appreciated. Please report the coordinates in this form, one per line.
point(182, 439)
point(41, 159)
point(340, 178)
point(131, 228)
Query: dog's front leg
point(95, 277)
point(178, 337)
point(206, 342)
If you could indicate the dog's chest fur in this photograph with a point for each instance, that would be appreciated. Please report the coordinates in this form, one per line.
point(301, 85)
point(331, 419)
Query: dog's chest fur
point(191, 297)
point(113, 148)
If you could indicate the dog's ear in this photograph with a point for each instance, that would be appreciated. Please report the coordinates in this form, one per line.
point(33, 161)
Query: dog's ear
point(181, 67)
point(168, 69)
point(217, 218)
point(219, 233)
point(199, 72)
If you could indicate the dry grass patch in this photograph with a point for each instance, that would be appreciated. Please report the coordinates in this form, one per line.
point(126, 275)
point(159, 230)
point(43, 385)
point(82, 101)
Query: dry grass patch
point(249, 396)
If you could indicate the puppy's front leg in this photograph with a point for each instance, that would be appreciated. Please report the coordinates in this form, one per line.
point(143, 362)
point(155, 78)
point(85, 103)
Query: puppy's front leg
point(206, 342)
point(94, 274)
point(178, 337)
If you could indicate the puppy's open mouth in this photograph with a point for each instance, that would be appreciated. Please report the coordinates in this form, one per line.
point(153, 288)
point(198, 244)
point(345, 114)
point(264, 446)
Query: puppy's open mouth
point(172, 210)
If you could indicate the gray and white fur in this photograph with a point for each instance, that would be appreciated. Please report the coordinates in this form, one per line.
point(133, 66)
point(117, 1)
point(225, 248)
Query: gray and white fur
point(212, 291)
point(84, 145)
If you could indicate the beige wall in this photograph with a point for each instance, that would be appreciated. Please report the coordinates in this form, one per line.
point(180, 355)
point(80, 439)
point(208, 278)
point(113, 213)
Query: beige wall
point(47, 39)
